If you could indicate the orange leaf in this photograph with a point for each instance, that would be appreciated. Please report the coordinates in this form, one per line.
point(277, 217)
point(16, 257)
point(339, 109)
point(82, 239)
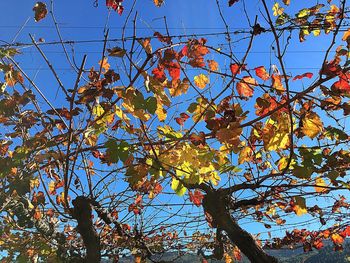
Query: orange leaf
point(277, 82)
point(262, 73)
point(246, 86)
point(104, 64)
point(236, 69)
point(213, 65)
point(337, 239)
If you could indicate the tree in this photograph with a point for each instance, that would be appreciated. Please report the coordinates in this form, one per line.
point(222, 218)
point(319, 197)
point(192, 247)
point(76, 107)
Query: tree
point(87, 176)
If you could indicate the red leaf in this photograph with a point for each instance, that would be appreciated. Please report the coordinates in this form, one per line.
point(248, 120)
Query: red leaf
point(181, 120)
point(236, 69)
point(318, 244)
point(116, 5)
point(342, 85)
point(196, 198)
point(174, 70)
point(305, 75)
point(159, 74)
point(331, 68)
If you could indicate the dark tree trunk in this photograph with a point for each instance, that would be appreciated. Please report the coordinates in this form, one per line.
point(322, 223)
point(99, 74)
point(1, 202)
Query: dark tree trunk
point(216, 205)
point(82, 212)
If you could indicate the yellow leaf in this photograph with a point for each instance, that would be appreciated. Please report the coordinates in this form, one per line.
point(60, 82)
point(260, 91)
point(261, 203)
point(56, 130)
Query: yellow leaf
point(34, 183)
point(245, 155)
point(277, 10)
point(320, 185)
point(346, 35)
point(337, 239)
point(282, 163)
point(312, 125)
point(104, 64)
point(276, 133)
point(160, 112)
point(178, 187)
point(300, 207)
point(201, 81)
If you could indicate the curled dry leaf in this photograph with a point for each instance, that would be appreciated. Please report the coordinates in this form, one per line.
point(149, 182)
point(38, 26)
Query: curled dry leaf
point(40, 11)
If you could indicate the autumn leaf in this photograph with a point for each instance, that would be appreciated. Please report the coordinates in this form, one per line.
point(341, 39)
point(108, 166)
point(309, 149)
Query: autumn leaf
point(104, 64)
point(300, 206)
point(230, 135)
point(196, 197)
point(277, 10)
point(158, 3)
point(116, 52)
point(320, 185)
point(40, 11)
point(277, 82)
point(162, 38)
point(262, 73)
point(183, 117)
point(161, 112)
point(245, 155)
point(201, 81)
point(346, 35)
point(337, 239)
point(311, 124)
point(305, 75)
point(236, 68)
point(174, 70)
point(213, 65)
point(179, 88)
point(178, 187)
point(245, 87)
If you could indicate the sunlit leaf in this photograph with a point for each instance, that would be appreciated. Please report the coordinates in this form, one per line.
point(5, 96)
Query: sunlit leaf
point(201, 81)
point(277, 10)
point(262, 73)
point(312, 125)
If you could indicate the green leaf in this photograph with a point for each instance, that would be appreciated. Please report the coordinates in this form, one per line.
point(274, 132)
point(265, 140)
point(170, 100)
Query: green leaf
point(139, 101)
point(302, 172)
point(151, 104)
point(334, 133)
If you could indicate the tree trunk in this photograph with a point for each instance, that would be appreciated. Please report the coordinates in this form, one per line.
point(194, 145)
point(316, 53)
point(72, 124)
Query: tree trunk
point(216, 205)
point(82, 212)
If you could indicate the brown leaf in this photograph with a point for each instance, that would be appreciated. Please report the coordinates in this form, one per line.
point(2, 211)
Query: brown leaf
point(40, 11)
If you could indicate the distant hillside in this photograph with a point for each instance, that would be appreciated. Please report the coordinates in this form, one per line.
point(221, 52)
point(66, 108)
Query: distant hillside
point(325, 255)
